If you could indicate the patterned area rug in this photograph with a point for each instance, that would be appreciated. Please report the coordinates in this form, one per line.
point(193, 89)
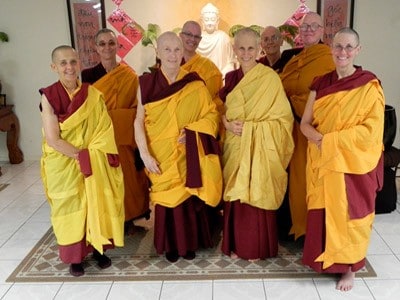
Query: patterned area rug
point(138, 261)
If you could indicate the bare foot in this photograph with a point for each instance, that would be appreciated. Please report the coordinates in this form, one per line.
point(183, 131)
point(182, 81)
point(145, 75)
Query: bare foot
point(346, 282)
point(253, 260)
point(234, 255)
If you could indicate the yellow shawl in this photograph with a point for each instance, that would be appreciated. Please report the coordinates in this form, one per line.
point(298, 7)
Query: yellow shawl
point(79, 204)
point(352, 143)
point(255, 163)
point(191, 108)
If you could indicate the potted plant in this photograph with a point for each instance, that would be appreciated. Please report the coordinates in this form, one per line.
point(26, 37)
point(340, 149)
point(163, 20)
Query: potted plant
point(3, 36)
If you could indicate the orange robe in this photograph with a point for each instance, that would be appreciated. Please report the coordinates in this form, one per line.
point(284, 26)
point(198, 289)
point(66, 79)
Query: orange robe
point(345, 173)
point(119, 87)
point(297, 77)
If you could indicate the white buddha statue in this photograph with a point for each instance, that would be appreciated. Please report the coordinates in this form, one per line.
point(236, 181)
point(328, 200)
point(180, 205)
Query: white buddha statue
point(215, 44)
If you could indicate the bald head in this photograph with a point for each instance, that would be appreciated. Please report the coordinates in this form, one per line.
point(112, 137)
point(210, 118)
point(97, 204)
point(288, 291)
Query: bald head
point(167, 37)
point(191, 24)
point(58, 49)
point(311, 29)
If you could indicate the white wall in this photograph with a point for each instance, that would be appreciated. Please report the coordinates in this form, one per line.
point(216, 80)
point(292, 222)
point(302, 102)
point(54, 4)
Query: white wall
point(35, 27)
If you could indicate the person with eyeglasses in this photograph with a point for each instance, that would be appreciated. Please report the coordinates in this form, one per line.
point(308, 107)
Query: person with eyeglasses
point(119, 84)
point(271, 43)
point(343, 122)
point(256, 152)
point(215, 44)
point(176, 127)
point(194, 62)
point(80, 169)
point(313, 60)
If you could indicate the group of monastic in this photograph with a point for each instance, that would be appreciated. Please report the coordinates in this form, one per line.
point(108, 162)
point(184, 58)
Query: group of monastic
point(284, 147)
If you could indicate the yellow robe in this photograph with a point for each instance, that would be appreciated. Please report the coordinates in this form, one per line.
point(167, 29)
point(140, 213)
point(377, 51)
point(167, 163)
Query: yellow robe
point(89, 207)
point(191, 108)
point(119, 87)
point(352, 143)
point(297, 77)
point(255, 162)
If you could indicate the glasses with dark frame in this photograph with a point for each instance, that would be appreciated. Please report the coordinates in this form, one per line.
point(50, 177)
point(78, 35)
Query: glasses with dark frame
point(103, 44)
point(192, 36)
point(313, 26)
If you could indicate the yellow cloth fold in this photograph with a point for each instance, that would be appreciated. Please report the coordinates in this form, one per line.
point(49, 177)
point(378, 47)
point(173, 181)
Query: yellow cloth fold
point(297, 77)
point(119, 87)
point(254, 164)
point(352, 144)
point(91, 206)
point(191, 108)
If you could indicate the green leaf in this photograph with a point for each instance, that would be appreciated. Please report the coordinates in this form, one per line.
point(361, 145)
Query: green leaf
point(3, 36)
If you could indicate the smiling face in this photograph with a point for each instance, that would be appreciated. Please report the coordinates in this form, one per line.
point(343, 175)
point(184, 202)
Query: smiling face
point(190, 36)
point(66, 64)
point(345, 48)
point(107, 45)
point(246, 48)
point(271, 41)
point(169, 51)
point(311, 29)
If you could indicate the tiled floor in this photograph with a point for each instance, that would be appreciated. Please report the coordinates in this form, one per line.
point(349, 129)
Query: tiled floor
point(24, 218)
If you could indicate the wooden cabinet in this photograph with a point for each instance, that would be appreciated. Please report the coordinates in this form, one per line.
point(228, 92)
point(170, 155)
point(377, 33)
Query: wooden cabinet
point(10, 124)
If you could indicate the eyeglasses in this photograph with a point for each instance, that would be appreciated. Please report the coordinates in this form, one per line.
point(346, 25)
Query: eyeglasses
point(313, 26)
point(103, 44)
point(191, 35)
point(347, 48)
point(271, 39)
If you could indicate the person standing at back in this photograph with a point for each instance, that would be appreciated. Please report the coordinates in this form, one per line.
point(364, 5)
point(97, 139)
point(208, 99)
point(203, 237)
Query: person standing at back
point(194, 62)
point(271, 43)
point(314, 59)
point(119, 84)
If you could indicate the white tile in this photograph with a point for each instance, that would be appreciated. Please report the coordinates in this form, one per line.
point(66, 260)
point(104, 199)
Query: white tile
point(393, 241)
point(83, 290)
point(327, 290)
point(31, 230)
point(293, 289)
point(6, 268)
point(4, 289)
point(387, 223)
point(15, 249)
point(42, 214)
point(377, 245)
point(385, 266)
point(183, 290)
point(384, 289)
point(143, 290)
point(239, 290)
point(32, 291)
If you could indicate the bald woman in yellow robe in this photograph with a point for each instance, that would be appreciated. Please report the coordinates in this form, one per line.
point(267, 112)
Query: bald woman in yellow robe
point(343, 122)
point(175, 129)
